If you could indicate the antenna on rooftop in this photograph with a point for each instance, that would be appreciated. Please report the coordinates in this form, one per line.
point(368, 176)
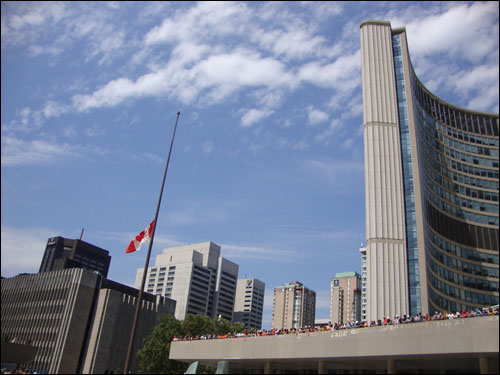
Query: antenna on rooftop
point(81, 234)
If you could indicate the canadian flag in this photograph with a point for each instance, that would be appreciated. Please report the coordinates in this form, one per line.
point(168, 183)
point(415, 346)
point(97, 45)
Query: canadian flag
point(142, 237)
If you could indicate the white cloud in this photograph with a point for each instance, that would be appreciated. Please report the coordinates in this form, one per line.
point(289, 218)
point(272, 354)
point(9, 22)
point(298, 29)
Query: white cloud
point(206, 19)
point(340, 174)
point(24, 20)
point(243, 68)
point(22, 249)
point(254, 115)
point(153, 157)
point(292, 44)
point(316, 116)
point(52, 109)
point(208, 147)
point(16, 152)
point(465, 31)
point(343, 75)
point(69, 131)
point(118, 90)
point(254, 252)
point(221, 74)
point(334, 128)
point(94, 132)
point(291, 144)
point(348, 143)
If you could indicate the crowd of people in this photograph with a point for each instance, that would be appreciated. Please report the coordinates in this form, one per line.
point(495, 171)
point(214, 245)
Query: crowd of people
point(397, 320)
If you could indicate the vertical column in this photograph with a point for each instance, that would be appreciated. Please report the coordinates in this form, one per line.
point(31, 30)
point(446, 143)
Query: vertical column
point(391, 366)
point(387, 293)
point(483, 365)
point(322, 367)
point(268, 368)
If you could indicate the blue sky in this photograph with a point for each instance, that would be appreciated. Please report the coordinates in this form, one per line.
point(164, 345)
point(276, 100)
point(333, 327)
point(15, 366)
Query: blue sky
point(268, 156)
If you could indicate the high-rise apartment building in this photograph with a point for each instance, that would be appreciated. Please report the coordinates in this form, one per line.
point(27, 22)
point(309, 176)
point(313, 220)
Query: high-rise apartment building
point(431, 178)
point(362, 251)
point(249, 303)
point(63, 253)
point(197, 277)
point(294, 306)
point(345, 298)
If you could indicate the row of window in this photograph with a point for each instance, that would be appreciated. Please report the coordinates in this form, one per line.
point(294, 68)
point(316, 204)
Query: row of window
point(476, 150)
point(459, 251)
point(462, 190)
point(468, 297)
point(473, 269)
point(437, 141)
point(464, 202)
point(459, 212)
point(458, 166)
point(468, 122)
point(467, 234)
point(465, 141)
point(411, 228)
point(443, 176)
point(459, 279)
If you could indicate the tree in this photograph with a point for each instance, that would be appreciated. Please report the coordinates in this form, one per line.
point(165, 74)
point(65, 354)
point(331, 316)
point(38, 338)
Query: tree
point(198, 325)
point(237, 327)
point(153, 358)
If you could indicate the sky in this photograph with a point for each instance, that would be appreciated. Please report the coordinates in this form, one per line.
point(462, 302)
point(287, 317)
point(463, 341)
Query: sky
point(268, 157)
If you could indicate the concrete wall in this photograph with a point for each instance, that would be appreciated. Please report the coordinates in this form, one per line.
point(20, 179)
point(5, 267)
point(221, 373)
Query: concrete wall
point(478, 336)
point(110, 333)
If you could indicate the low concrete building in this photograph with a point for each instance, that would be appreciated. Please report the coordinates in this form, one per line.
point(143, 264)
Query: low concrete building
point(463, 346)
point(75, 317)
point(111, 326)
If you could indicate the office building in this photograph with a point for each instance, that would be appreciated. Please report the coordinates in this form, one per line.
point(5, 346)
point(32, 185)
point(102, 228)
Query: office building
point(249, 303)
point(345, 298)
point(78, 320)
point(294, 306)
point(63, 253)
point(362, 251)
point(431, 175)
point(196, 277)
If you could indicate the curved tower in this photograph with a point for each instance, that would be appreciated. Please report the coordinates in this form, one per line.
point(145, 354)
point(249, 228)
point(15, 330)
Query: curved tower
point(431, 186)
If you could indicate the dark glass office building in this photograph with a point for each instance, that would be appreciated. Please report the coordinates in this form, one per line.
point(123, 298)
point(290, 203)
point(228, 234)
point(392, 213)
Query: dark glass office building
point(432, 176)
point(63, 253)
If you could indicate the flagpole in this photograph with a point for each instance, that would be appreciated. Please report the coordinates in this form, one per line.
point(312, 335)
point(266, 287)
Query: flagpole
point(139, 298)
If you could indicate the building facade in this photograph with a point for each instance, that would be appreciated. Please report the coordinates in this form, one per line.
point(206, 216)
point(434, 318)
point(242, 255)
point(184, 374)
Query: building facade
point(431, 179)
point(345, 298)
point(196, 277)
point(113, 317)
point(76, 317)
point(294, 306)
point(249, 303)
point(63, 253)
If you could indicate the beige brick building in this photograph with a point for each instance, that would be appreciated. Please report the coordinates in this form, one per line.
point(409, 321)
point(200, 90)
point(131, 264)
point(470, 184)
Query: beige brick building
point(345, 301)
point(294, 306)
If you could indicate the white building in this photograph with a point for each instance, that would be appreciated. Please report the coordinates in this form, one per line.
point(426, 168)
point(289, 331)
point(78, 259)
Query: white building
point(197, 277)
point(364, 279)
point(249, 303)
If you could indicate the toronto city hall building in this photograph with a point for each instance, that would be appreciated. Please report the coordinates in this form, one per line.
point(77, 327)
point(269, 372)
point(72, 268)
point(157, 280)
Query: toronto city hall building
point(431, 176)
